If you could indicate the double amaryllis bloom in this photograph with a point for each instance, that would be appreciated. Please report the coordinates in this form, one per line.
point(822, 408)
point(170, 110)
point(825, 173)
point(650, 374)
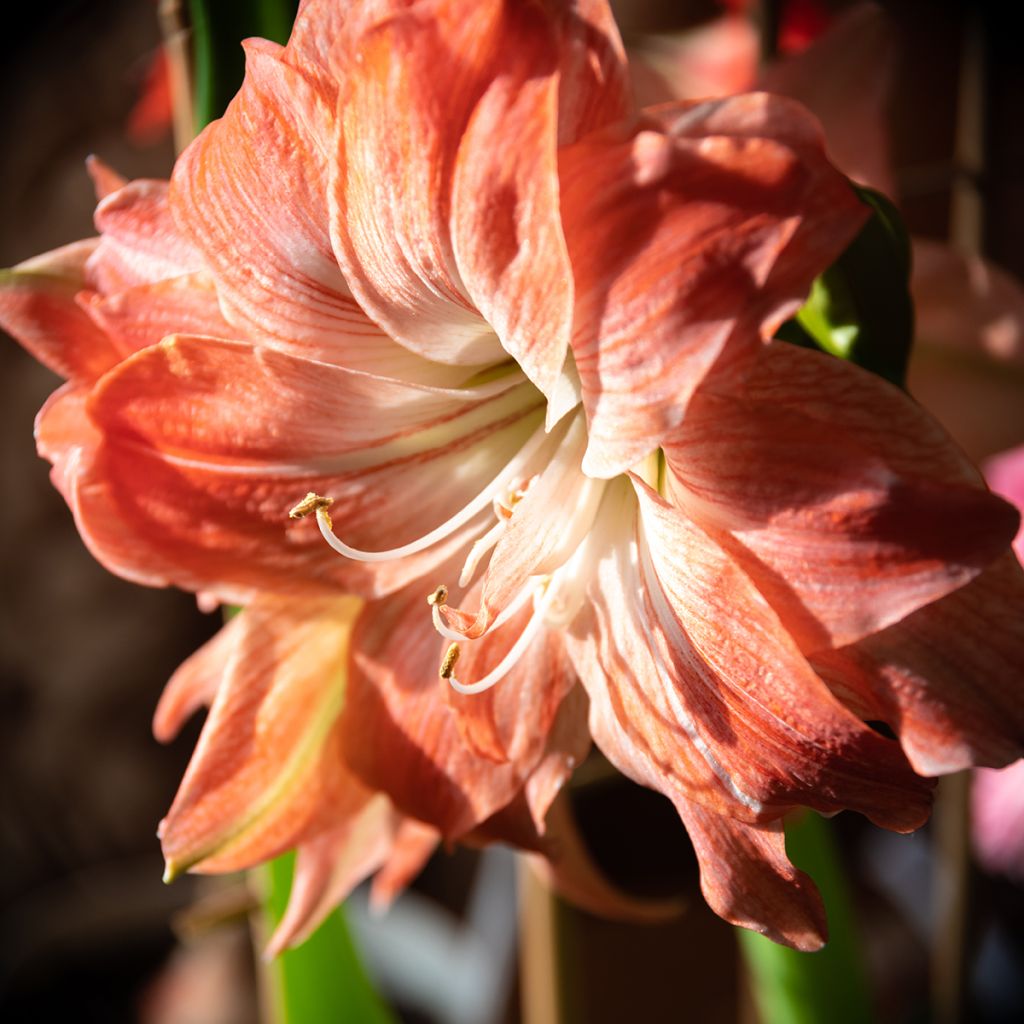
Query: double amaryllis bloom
point(509, 334)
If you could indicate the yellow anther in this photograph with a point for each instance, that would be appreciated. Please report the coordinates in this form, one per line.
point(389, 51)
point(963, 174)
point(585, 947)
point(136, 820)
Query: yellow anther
point(312, 502)
point(448, 661)
point(438, 597)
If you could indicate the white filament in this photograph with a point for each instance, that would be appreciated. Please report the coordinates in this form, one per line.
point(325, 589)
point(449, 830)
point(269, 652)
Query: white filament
point(517, 650)
point(446, 529)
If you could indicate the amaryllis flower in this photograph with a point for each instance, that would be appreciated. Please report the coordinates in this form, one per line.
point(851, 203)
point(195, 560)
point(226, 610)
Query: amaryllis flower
point(509, 333)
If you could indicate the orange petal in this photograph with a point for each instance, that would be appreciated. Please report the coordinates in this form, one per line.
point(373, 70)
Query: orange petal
point(946, 678)
point(413, 846)
point(267, 772)
point(401, 735)
point(140, 243)
point(209, 444)
point(697, 690)
point(844, 531)
point(37, 307)
point(104, 178)
point(691, 237)
point(747, 878)
point(146, 314)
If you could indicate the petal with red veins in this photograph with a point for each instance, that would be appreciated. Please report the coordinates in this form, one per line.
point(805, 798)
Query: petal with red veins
point(267, 772)
point(844, 533)
point(38, 308)
point(329, 866)
point(747, 879)
point(226, 438)
point(251, 192)
point(400, 732)
point(946, 678)
point(140, 243)
point(194, 684)
point(413, 846)
point(691, 236)
point(698, 691)
point(146, 314)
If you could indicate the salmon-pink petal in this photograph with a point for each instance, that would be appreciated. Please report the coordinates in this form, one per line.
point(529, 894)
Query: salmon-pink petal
point(691, 236)
point(506, 231)
point(400, 733)
point(946, 679)
point(568, 743)
point(208, 445)
point(844, 78)
point(250, 192)
point(63, 432)
point(844, 534)
point(38, 308)
point(267, 772)
point(413, 846)
point(104, 178)
point(698, 691)
point(194, 684)
point(595, 87)
point(142, 316)
point(747, 878)
point(329, 866)
point(140, 243)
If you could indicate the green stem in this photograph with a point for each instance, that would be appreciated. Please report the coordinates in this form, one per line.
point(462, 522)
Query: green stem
point(807, 988)
point(322, 981)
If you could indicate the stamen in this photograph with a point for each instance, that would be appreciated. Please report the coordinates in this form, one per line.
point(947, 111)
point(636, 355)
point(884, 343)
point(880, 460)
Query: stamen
point(512, 469)
point(478, 550)
point(507, 663)
point(313, 502)
point(524, 595)
point(448, 661)
point(438, 597)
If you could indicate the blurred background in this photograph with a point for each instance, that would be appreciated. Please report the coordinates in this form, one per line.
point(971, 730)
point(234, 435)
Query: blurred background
point(87, 930)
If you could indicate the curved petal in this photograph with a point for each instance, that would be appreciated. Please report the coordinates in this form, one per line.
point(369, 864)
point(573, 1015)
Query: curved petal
point(697, 690)
point(208, 444)
point(138, 317)
point(251, 192)
point(844, 532)
point(400, 733)
point(104, 178)
point(38, 308)
point(946, 679)
point(691, 237)
point(414, 845)
point(267, 772)
point(747, 879)
point(140, 243)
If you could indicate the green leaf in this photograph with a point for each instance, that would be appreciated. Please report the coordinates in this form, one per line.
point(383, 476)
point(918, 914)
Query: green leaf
point(860, 309)
point(218, 29)
point(322, 981)
point(807, 988)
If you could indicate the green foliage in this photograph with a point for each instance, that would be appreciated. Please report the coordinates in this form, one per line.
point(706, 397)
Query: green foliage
point(860, 308)
point(322, 981)
point(218, 29)
point(808, 988)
